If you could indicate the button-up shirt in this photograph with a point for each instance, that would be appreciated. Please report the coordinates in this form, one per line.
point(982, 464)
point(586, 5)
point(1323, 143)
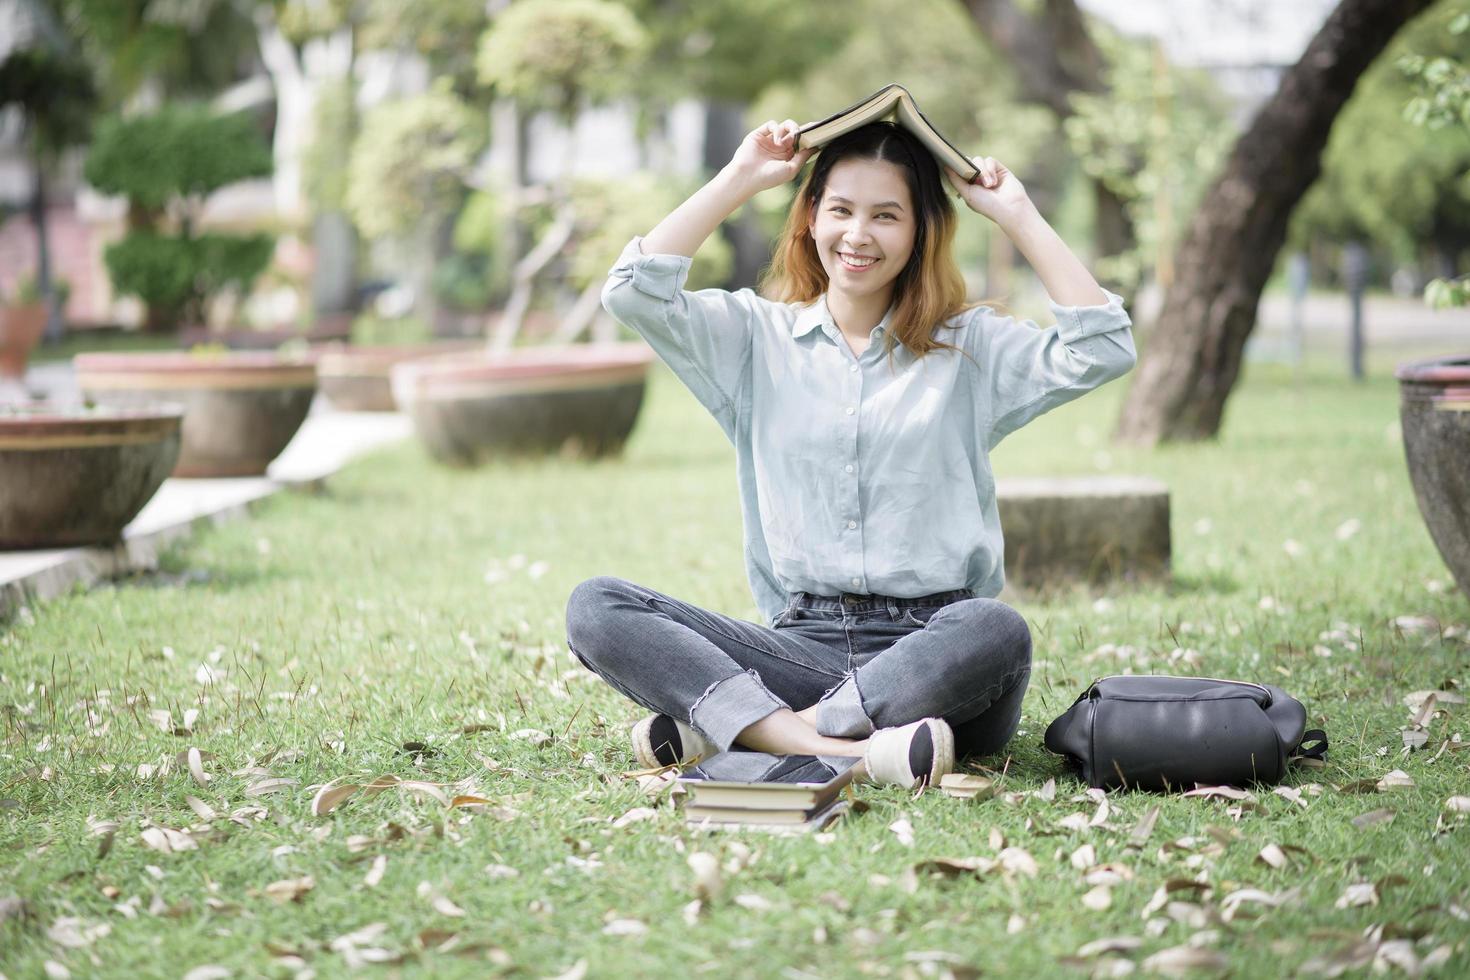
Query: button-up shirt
point(854, 476)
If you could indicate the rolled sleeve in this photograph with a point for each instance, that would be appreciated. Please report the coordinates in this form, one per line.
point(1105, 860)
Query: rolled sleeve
point(1031, 371)
point(703, 336)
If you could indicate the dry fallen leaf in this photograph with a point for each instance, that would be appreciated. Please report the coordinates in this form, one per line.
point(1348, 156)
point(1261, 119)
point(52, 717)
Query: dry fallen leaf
point(1098, 898)
point(75, 933)
point(375, 873)
point(1112, 944)
point(1273, 855)
point(1179, 961)
point(1084, 857)
point(196, 767)
point(290, 889)
point(1362, 893)
point(329, 797)
point(753, 902)
point(1373, 817)
point(208, 971)
point(707, 880)
point(624, 927)
point(1018, 861)
point(966, 786)
point(1224, 792)
point(265, 787)
point(165, 840)
point(201, 809)
point(1458, 804)
point(1397, 779)
point(904, 831)
point(634, 815)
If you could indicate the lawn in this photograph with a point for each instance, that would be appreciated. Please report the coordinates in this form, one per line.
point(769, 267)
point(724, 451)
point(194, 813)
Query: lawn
point(409, 623)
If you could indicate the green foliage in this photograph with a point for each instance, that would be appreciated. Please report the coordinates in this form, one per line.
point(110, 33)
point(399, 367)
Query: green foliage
point(733, 50)
point(334, 123)
point(177, 49)
point(179, 151)
point(610, 212)
point(372, 330)
point(28, 290)
point(560, 54)
point(1443, 82)
point(55, 94)
point(469, 282)
point(410, 160)
point(1385, 179)
point(177, 275)
point(1156, 138)
point(445, 33)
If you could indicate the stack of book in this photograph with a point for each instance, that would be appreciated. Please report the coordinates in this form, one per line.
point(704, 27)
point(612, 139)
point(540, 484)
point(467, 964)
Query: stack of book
point(784, 793)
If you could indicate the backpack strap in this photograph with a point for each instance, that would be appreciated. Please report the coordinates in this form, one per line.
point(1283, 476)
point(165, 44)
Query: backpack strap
point(1317, 751)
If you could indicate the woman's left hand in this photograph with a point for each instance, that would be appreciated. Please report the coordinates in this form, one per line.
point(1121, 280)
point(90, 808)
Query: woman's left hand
point(996, 193)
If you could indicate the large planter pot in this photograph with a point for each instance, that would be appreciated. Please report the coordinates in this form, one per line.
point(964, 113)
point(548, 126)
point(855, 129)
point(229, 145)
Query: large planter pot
point(1434, 408)
point(77, 477)
point(356, 379)
point(240, 409)
point(575, 400)
point(20, 331)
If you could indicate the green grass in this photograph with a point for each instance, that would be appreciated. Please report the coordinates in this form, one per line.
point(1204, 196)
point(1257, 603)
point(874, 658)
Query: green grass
point(110, 342)
point(340, 627)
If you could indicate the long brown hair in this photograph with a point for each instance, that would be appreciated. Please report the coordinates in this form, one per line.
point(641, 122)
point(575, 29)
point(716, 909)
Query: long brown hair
point(930, 288)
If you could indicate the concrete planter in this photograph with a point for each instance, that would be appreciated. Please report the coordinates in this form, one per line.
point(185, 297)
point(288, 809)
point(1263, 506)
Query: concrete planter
point(240, 409)
point(21, 328)
point(1434, 410)
point(356, 379)
point(77, 477)
point(574, 400)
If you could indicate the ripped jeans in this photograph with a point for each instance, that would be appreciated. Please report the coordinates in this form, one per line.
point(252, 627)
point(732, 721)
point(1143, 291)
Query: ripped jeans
point(868, 661)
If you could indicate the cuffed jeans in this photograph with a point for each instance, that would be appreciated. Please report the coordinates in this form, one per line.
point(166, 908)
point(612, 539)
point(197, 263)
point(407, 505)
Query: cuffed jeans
point(868, 661)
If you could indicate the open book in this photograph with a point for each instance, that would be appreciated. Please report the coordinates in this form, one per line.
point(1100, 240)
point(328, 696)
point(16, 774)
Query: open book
point(891, 100)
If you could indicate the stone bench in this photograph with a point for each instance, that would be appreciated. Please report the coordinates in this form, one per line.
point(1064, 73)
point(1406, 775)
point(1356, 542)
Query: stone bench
point(1089, 529)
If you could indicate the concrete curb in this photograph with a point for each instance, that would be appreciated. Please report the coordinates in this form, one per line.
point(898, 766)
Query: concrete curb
point(326, 442)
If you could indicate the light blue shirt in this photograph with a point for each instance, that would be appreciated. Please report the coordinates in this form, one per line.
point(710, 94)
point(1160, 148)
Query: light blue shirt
point(854, 477)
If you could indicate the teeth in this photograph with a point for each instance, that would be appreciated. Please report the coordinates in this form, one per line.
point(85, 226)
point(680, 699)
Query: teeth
point(854, 260)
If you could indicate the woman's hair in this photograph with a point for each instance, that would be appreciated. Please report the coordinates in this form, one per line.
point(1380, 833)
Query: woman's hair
point(930, 288)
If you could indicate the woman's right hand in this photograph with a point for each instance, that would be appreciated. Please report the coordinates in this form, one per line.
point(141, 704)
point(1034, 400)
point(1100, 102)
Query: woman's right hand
point(767, 157)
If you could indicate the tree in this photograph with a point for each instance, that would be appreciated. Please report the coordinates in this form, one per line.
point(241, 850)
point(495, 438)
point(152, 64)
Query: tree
point(561, 55)
point(56, 98)
point(1054, 58)
point(166, 164)
point(1192, 358)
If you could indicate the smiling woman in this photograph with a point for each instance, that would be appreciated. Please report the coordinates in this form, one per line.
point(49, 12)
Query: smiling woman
point(872, 537)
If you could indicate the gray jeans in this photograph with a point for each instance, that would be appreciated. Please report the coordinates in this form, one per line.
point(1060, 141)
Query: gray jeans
point(870, 661)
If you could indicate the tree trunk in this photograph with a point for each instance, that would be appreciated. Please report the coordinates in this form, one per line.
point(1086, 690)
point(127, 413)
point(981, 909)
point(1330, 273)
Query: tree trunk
point(724, 128)
point(44, 285)
point(1193, 356)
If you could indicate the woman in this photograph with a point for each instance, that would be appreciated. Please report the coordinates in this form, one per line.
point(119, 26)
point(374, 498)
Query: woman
point(863, 402)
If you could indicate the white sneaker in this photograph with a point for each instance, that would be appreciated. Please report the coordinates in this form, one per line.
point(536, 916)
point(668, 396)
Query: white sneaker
point(921, 752)
point(662, 740)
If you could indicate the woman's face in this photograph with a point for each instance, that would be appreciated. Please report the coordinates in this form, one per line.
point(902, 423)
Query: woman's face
point(864, 227)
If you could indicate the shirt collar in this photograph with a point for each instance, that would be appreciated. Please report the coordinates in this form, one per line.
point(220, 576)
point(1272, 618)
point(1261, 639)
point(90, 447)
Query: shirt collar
point(816, 315)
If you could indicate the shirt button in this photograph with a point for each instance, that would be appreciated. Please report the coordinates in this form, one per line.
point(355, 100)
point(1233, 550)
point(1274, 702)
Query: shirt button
point(852, 367)
point(857, 581)
point(850, 410)
point(851, 525)
point(849, 467)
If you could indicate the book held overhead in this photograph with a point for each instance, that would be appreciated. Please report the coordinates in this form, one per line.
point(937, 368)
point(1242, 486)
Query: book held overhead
point(890, 101)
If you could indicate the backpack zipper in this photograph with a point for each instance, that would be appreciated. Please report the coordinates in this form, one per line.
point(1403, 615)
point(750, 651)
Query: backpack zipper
point(1222, 680)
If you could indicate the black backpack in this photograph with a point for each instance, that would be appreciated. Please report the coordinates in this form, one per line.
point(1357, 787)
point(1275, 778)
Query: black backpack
point(1150, 731)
